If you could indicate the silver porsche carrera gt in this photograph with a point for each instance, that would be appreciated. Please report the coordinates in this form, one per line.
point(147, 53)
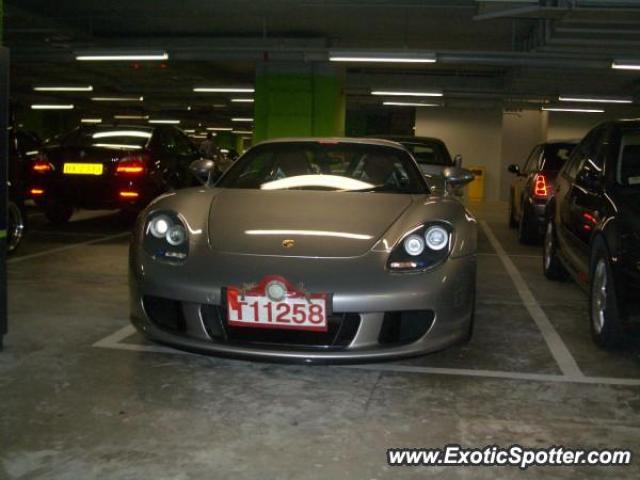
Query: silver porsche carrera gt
point(310, 250)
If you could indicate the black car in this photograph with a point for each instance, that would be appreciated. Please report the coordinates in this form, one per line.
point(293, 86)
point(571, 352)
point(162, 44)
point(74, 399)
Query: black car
point(593, 227)
point(533, 186)
point(23, 147)
point(110, 167)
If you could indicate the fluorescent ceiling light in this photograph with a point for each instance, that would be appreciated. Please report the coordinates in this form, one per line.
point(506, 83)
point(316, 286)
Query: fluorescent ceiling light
point(122, 133)
point(242, 132)
point(88, 88)
point(242, 119)
point(396, 93)
point(131, 117)
point(594, 100)
point(41, 106)
point(169, 122)
point(219, 129)
point(223, 90)
point(189, 130)
point(117, 99)
point(626, 65)
point(115, 57)
point(411, 104)
point(575, 110)
point(382, 57)
point(242, 100)
point(90, 120)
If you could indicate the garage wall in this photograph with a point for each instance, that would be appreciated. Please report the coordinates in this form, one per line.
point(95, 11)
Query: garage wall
point(567, 126)
point(475, 134)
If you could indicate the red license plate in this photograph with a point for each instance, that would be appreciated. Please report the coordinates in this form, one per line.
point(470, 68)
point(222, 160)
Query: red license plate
point(274, 303)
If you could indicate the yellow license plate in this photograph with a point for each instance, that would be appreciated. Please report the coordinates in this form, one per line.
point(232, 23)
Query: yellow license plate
point(83, 168)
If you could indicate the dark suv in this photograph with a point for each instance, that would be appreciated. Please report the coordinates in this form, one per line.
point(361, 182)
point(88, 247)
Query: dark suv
point(110, 167)
point(593, 226)
point(533, 186)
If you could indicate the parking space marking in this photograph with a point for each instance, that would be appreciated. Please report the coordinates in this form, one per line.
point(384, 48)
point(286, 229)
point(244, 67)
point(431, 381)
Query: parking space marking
point(114, 341)
point(66, 247)
point(559, 350)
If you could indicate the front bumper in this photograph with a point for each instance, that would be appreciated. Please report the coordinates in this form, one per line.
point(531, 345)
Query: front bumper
point(359, 287)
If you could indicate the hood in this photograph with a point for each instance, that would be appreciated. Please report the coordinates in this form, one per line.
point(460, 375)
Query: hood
point(320, 224)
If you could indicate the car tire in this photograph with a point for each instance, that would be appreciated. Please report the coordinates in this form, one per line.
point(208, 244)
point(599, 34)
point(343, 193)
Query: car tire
point(15, 225)
point(551, 264)
point(58, 212)
point(607, 324)
point(513, 223)
point(527, 232)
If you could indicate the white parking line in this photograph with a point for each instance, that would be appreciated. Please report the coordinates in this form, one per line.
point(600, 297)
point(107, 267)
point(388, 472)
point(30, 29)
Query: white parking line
point(65, 248)
point(114, 341)
point(559, 350)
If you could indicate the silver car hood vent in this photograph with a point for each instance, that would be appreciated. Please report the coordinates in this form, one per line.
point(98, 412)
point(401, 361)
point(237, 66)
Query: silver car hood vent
point(301, 223)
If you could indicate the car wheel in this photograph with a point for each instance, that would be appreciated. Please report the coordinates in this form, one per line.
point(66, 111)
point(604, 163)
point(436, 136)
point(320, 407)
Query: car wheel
point(15, 226)
point(513, 223)
point(58, 212)
point(551, 264)
point(527, 233)
point(606, 323)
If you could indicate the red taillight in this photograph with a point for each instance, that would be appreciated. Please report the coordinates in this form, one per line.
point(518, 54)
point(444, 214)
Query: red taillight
point(36, 192)
point(541, 187)
point(133, 165)
point(41, 165)
point(129, 194)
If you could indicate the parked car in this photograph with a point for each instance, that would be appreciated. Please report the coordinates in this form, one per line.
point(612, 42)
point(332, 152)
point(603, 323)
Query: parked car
point(23, 147)
point(533, 186)
point(310, 250)
point(432, 156)
point(110, 167)
point(593, 227)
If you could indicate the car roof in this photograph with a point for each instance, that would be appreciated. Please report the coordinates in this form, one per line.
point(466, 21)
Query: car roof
point(359, 141)
point(409, 139)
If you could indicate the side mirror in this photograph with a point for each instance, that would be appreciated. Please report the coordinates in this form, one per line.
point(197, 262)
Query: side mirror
point(513, 168)
point(457, 177)
point(202, 169)
point(457, 160)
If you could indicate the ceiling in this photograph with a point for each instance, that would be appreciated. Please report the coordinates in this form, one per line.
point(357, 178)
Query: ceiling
point(490, 53)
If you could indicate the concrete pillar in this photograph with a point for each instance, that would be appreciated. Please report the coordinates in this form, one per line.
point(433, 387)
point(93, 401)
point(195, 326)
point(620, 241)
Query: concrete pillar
point(298, 100)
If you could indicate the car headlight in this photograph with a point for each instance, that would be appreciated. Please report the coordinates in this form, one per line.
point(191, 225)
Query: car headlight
point(166, 236)
point(423, 248)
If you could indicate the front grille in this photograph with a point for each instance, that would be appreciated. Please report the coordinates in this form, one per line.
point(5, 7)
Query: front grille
point(342, 328)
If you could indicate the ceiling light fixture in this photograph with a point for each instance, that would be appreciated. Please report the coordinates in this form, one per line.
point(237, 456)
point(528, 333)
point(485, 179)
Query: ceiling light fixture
point(242, 132)
point(119, 57)
point(164, 121)
point(399, 93)
point(40, 106)
point(242, 100)
point(88, 88)
point(242, 119)
point(90, 120)
point(411, 104)
point(131, 117)
point(117, 99)
point(223, 90)
point(382, 57)
point(219, 129)
point(625, 65)
point(575, 110)
point(594, 100)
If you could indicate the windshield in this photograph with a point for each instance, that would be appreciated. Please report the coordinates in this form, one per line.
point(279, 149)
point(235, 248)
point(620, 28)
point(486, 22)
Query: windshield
point(331, 166)
point(113, 138)
point(628, 169)
point(555, 155)
point(429, 153)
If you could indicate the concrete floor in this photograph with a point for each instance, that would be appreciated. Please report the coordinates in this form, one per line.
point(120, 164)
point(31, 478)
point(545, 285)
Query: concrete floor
point(82, 397)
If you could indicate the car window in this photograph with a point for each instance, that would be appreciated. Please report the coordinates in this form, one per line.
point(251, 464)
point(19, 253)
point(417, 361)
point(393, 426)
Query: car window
point(108, 137)
point(325, 166)
point(628, 164)
point(183, 146)
point(585, 150)
point(430, 154)
point(555, 155)
point(531, 164)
